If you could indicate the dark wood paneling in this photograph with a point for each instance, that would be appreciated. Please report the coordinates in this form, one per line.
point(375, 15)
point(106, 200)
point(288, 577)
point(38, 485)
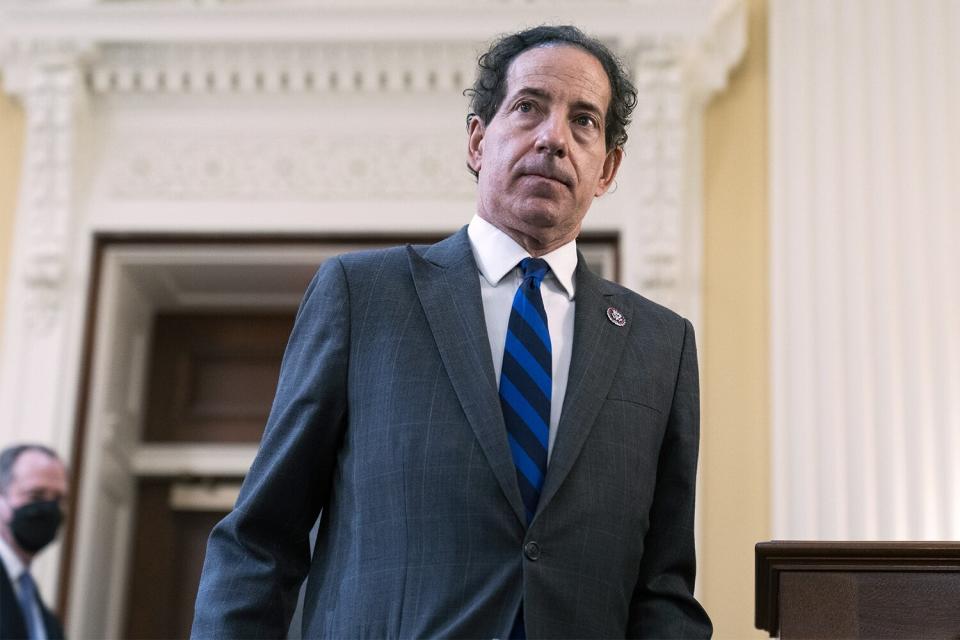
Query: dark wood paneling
point(858, 589)
point(212, 376)
point(831, 598)
point(880, 604)
point(169, 547)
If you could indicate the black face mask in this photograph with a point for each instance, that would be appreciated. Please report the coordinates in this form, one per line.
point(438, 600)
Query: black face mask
point(35, 524)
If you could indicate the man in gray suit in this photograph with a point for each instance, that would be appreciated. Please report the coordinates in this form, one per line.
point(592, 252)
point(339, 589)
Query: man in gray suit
point(501, 443)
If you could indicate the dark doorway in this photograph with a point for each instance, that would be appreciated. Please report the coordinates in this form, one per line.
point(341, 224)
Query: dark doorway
point(212, 379)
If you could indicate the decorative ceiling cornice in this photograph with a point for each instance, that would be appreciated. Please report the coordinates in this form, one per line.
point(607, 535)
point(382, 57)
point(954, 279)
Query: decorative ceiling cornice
point(346, 20)
point(335, 45)
point(321, 67)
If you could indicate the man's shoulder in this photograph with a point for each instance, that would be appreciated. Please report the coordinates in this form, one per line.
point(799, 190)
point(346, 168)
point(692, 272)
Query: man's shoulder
point(364, 259)
point(393, 258)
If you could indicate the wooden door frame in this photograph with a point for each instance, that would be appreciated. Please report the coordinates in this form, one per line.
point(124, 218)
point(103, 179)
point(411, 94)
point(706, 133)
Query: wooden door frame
point(108, 457)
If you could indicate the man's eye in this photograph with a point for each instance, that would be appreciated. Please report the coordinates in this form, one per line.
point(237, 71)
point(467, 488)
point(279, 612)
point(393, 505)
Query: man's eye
point(524, 107)
point(586, 121)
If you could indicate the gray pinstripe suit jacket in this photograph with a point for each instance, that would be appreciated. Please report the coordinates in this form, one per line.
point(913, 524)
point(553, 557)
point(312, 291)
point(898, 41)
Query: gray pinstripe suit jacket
point(387, 418)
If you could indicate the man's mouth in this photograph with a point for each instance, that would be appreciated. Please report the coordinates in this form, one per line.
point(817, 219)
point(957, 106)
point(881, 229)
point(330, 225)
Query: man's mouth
point(554, 177)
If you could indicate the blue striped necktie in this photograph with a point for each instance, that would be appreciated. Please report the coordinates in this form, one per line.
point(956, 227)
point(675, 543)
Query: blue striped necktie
point(526, 385)
point(28, 604)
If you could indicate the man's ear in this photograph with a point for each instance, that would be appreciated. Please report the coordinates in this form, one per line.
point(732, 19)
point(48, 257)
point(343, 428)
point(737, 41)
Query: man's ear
point(475, 131)
point(610, 166)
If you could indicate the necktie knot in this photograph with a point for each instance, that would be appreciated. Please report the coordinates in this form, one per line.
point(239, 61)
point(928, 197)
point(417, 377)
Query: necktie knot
point(534, 270)
point(26, 583)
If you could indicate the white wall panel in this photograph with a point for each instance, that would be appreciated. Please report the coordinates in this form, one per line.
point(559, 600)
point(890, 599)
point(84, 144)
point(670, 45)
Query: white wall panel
point(865, 222)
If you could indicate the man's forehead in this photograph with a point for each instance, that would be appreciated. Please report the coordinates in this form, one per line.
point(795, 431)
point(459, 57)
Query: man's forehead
point(583, 77)
point(33, 466)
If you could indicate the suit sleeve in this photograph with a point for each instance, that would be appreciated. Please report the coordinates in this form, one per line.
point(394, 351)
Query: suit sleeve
point(663, 605)
point(258, 555)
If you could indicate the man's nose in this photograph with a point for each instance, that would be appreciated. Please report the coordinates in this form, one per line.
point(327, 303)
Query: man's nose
point(552, 136)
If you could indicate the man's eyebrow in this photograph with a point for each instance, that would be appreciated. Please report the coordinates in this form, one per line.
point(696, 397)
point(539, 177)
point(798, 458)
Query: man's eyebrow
point(588, 106)
point(531, 91)
point(579, 105)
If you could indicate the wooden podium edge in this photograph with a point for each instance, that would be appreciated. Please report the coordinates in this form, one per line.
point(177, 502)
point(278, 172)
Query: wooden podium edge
point(776, 556)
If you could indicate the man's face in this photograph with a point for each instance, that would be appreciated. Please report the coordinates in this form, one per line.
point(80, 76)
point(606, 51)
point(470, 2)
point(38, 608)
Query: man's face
point(543, 158)
point(36, 478)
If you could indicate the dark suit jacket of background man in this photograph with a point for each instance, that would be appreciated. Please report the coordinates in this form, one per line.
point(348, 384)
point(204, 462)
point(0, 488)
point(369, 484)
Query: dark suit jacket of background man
point(387, 417)
point(12, 624)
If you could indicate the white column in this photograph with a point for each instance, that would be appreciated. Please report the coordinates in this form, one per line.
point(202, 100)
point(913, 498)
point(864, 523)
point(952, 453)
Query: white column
point(865, 216)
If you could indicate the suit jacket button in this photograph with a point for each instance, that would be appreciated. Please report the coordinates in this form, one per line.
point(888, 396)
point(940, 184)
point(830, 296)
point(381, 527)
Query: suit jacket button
point(532, 551)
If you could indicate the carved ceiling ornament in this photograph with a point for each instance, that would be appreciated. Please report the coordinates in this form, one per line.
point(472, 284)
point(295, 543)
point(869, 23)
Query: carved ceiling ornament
point(283, 68)
point(299, 167)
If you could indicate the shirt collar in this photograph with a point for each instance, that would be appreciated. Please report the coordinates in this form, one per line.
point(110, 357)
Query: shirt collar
point(497, 254)
point(10, 561)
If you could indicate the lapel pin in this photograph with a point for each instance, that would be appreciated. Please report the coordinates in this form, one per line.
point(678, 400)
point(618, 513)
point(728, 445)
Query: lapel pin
point(614, 316)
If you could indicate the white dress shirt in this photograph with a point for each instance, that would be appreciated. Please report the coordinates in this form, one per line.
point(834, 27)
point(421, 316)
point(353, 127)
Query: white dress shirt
point(15, 568)
point(498, 258)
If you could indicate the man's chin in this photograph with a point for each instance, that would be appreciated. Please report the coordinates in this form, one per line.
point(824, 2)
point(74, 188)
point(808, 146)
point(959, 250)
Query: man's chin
point(540, 213)
point(540, 219)
point(548, 226)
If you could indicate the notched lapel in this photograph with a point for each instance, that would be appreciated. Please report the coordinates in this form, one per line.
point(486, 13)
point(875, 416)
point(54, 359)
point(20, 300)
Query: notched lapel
point(597, 347)
point(447, 282)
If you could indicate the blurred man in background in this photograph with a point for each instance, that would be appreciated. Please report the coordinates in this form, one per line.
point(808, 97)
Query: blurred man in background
point(33, 489)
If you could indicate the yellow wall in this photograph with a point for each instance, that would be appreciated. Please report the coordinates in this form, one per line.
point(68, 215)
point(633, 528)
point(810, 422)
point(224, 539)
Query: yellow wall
point(11, 152)
point(735, 503)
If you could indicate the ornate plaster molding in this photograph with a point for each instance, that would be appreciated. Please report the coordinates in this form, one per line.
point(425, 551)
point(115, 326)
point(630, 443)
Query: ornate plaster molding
point(680, 50)
point(709, 59)
point(53, 55)
point(674, 80)
point(48, 77)
point(657, 138)
point(452, 21)
point(251, 166)
point(282, 68)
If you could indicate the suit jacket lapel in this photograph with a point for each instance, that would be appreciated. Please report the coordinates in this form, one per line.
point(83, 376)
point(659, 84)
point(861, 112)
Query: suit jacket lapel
point(597, 347)
point(447, 282)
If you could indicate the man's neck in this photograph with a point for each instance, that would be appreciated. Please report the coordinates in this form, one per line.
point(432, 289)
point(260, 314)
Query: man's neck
point(534, 245)
point(24, 557)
